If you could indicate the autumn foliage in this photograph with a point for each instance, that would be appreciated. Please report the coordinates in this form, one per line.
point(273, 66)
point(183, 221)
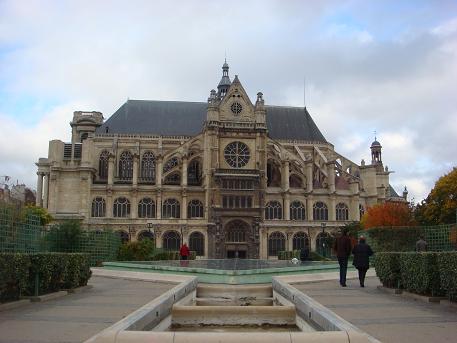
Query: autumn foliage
point(387, 214)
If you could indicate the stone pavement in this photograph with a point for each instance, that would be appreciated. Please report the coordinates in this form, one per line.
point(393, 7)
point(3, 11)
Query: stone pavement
point(77, 317)
point(387, 317)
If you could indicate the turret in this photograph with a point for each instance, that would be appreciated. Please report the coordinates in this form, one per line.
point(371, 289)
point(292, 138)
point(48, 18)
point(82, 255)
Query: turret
point(225, 82)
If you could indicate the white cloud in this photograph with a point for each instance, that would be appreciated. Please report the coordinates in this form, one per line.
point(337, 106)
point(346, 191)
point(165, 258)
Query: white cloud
point(447, 28)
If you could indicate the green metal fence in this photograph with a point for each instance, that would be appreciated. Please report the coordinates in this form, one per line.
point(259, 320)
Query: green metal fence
point(404, 238)
point(20, 232)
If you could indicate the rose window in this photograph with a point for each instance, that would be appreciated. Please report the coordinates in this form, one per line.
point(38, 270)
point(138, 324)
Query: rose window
point(236, 154)
point(236, 108)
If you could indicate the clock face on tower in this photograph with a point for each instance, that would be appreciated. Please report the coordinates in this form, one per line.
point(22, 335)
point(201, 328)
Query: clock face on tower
point(236, 108)
point(237, 154)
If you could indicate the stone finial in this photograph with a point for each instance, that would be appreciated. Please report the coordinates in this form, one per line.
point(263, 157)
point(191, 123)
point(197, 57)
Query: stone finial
point(362, 163)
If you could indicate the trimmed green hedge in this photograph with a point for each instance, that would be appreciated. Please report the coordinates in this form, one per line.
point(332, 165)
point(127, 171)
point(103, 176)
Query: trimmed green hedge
point(144, 251)
point(14, 275)
point(55, 271)
point(430, 273)
point(447, 263)
point(387, 267)
point(420, 273)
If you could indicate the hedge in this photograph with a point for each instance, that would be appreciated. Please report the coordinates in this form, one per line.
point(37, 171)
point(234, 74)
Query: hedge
point(447, 263)
point(387, 267)
point(144, 251)
point(430, 273)
point(420, 273)
point(55, 271)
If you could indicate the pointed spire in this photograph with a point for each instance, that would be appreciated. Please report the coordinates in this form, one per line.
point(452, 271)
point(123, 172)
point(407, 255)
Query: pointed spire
point(225, 82)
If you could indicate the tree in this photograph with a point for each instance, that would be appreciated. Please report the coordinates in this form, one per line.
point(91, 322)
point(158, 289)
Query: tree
point(40, 212)
point(388, 214)
point(440, 206)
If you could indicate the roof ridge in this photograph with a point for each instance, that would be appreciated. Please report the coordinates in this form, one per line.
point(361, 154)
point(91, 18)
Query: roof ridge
point(170, 101)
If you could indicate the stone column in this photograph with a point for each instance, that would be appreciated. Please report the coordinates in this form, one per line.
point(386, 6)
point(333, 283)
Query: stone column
point(110, 169)
point(39, 190)
point(159, 205)
point(309, 177)
point(332, 209)
point(184, 205)
point(135, 170)
point(287, 206)
point(109, 205)
point(331, 176)
point(159, 170)
point(309, 209)
point(289, 236)
point(285, 176)
point(46, 190)
point(184, 171)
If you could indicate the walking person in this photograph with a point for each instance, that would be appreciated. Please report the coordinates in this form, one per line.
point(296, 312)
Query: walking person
point(342, 246)
point(421, 244)
point(362, 251)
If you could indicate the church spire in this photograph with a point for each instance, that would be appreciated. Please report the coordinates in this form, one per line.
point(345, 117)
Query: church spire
point(225, 82)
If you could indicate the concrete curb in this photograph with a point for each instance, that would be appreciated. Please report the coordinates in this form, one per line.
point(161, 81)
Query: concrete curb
point(79, 289)
point(401, 292)
point(14, 304)
point(46, 297)
point(394, 291)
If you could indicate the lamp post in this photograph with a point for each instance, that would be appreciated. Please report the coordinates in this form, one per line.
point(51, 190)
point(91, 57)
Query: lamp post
point(323, 225)
point(150, 227)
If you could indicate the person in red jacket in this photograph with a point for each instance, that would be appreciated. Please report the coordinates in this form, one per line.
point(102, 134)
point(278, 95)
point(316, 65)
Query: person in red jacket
point(342, 246)
point(184, 252)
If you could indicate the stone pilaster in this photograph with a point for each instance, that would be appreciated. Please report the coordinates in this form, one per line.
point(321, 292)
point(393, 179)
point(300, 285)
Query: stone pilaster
point(39, 190)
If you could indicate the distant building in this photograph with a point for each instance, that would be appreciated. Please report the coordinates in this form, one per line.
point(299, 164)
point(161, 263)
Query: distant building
point(18, 194)
point(230, 177)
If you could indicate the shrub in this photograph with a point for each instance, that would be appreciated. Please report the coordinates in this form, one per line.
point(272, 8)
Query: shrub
point(14, 275)
point(387, 265)
point(447, 263)
point(55, 271)
point(136, 251)
point(420, 273)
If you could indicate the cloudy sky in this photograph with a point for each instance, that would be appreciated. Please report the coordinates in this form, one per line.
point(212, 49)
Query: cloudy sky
point(388, 66)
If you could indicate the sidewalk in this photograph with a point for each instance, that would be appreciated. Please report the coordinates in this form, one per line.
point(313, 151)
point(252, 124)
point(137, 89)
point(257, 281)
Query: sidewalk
point(389, 318)
point(77, 317)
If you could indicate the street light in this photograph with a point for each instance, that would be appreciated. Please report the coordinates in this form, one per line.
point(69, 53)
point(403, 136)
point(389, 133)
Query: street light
point(150, 227)
point(323, 225)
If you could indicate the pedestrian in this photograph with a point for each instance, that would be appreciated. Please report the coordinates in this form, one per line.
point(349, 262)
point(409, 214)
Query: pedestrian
point(362, 251)
point(184, 252)
point(421, 244)
point(342, 246)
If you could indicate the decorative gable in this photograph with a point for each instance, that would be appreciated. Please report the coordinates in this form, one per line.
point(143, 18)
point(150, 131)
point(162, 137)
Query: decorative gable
point(236, 105)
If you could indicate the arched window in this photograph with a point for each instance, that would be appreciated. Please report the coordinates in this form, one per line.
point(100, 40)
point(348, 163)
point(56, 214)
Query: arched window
point(126, 166)
point(146, 208)
point(173, 179)
point(148, 167)
point(145, 235)
point(236, 232)
point(103, 165)
point(361, 210)
point(320, 211)
point(273, 175)
point(295, 182)
point(342, 211)
point(123, 235)
point(170, 164)
point(273, 210)
point(194, 173)
point(276, 243)
point(197, 243)
point(171, 209)
point(297, 211)
point(299, 241)
point(98, 207)
point(121, 208)
point(171, 240)
point(195, 209)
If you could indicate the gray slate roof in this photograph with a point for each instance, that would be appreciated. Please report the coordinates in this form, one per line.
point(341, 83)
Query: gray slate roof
point(186, 118)
point(392, 192)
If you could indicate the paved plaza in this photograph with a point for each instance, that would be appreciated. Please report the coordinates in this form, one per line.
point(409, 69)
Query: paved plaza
point(387, 317)
point(77, 317)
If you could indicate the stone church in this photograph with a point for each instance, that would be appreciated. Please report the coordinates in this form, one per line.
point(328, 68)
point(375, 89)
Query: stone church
point(230, 176)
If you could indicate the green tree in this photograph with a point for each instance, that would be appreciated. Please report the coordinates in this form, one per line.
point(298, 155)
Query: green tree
point(65, 237)
point(40, 212)
point(441, 204)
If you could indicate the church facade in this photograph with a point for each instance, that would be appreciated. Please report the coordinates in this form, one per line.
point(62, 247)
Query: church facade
point(231, 177)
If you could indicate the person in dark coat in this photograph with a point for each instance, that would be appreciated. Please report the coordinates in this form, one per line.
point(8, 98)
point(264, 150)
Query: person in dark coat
point(342, 246)
point(362, 251)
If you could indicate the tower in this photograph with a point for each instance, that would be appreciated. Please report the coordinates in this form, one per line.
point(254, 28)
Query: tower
point(225, 82)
